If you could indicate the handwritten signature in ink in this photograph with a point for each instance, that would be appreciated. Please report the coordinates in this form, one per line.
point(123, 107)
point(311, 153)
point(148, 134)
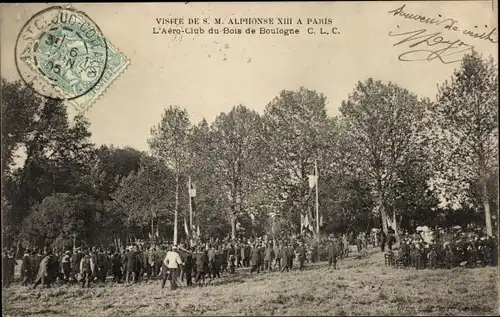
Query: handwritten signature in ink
point(430, 46)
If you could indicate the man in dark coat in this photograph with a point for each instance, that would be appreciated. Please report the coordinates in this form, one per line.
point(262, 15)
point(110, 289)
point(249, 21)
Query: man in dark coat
point(200, 259)
point(301, 252)
point(86, 269)
point(116, 267)
point(38, 258)
point(243, 255)
point(237, 255)
point(211, 260)
point(95, 261)
point(151, 262)
point(124, 260)
point(218, 262)
point(43, 277)
point(76, 258)
point(277, 255)
point(248, 250)
point(268, 258)
point(53, 269)
point(285, 265)
point(132, 265)
point(189, 266)
point(332, 254)
point(146, 265)
point(26, 269)
point(8, 271)
point(291, 255)
point(160, 256)
point(255, 259)
point(66, 266)
point(383, 239)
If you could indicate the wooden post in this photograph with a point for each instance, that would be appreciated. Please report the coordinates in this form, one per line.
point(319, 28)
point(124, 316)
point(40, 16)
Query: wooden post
point(191, 231)
point(317, 201)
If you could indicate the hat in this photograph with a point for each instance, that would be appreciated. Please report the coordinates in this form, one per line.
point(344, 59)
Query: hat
point(68, 252)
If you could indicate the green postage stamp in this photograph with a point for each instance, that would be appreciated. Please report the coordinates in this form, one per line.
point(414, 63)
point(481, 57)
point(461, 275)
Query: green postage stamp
point(67, 58)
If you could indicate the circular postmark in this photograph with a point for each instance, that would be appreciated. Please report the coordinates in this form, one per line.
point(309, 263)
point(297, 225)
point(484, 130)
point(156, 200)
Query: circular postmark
point(61, 53)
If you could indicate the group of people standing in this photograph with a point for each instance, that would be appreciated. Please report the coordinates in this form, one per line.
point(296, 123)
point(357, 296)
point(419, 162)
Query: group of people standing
point(446, 248)
point(161, 262)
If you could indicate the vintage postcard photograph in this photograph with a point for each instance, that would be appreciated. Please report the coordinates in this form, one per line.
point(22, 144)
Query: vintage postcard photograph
point(249, 158)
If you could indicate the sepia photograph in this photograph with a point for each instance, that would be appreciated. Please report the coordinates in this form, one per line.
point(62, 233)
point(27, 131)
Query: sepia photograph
point(250, 158)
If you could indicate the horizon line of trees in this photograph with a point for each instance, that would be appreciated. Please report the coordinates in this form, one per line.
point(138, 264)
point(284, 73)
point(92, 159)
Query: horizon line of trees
point(388, 160)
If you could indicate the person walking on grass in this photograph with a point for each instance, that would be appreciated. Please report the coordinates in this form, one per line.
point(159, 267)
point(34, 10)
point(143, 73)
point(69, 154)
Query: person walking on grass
point(255, 259)
point(86, 265)
point(172, 263)
point(301, 255)
point(43, 271)
point(332, 254)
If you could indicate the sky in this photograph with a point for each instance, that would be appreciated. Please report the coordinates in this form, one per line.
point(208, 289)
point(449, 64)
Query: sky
point(208, 74)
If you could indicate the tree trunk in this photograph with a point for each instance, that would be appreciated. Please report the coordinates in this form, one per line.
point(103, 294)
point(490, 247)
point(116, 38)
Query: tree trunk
point(486, 205)
point(176, 206)
point(395, 224)
point(383, 214)
point(233, 226)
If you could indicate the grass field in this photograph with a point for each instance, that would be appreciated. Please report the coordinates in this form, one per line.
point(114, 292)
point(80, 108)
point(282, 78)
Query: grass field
point(360, 287)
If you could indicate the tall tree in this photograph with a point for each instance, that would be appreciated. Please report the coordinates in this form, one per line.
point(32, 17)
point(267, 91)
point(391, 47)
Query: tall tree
point(237, 153)
point(19, 106)
point(170, 140)
point(466, 121)
point(296, 127)
point(386, 124)
point(145, 197)
point(57, 152)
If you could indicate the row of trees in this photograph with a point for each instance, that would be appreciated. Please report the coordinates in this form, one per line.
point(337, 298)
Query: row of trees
point(388, 159)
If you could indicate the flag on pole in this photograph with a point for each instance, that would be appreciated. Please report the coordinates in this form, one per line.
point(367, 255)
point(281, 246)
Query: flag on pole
point(313, 178)
point(186, 229)
point(192, 196)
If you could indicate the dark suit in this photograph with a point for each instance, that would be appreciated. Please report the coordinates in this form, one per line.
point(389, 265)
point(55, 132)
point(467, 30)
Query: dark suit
point(132, 265)
point(332, 254)
point(302, 256)
point(26, 271)
point(255, 259)
point(268, 258)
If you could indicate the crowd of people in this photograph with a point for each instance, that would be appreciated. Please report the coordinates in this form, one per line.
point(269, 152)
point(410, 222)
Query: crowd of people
point(444, 248)
point(143, 261)
point(200, 264)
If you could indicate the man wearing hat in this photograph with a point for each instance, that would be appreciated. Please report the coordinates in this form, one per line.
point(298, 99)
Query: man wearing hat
point(255, 258)
point(43, 271)
point(285, 259)
point(86, 265)
point(332, 253)
point(76, 258)
point(211, 260)
point(301, 255)
point(66, 265)
point(132, 265)
point(172, 262)
point(26, 269)
point(201, 260)
point(269, 257)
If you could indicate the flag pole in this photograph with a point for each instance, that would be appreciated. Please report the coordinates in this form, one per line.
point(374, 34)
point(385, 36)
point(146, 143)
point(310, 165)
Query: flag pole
point(317, 200)
point(190, 212)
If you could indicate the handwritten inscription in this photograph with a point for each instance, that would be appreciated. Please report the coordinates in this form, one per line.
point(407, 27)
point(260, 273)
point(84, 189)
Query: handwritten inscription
point(437, 46)
point(427, 45)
